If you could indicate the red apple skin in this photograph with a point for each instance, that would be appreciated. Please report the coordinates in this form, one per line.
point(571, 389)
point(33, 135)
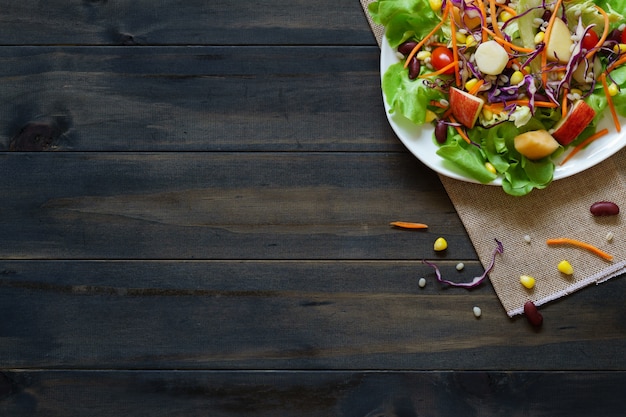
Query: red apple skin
point(574, 123)
point(465, 107)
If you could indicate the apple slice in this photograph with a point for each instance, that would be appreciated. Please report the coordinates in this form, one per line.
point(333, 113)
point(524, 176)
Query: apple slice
point(535, 144)
point(465, 107)
point(578, 118)
point(559, 47)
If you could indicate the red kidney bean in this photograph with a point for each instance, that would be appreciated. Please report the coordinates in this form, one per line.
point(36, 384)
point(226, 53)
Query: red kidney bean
point(406, 48)
point(441, 131)
point(532, 314)
point(604, 208)
point(414, 68)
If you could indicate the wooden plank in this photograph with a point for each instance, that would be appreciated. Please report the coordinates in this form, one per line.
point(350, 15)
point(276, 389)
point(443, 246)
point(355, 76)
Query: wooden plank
point(222, 206)
point(193, 99)
point(242, 315)
point(170, 22)
point(311, 394)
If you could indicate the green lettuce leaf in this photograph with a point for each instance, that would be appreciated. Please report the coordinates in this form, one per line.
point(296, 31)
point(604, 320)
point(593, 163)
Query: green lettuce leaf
point(403, 19)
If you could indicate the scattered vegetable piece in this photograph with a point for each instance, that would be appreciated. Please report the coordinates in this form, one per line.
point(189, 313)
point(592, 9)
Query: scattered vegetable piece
point(580, 244)
point(527, 238)
point(609, 236)
point(604, 208)
point(440, 244)
point(422, 282)
point(565, 267)
point(460, 266)
point(477, 311)
point(409, 225)
point(532, 314)
point(477, 280)
point(527, 281)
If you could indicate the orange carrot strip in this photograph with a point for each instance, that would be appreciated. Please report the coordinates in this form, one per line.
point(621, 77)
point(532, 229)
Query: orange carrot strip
point(504, 42)
point(580, 244)
point(475, 89)
point(427, 37)
point(440, 71)
point(546, 40)
point(509, 9)
point(494, 18)
point(609, 100)
point(564, 103)
point(455, 52)
point(584, 143)
point(616, 64)
point(483, 13)
point(460, 130)
point(605, 33)
point(498, 107)
point(409, 225)
point(436, 103)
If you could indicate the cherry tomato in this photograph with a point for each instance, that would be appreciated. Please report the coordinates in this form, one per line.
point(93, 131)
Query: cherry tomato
point(441, 57)
point(590, 40)
point(624, 36)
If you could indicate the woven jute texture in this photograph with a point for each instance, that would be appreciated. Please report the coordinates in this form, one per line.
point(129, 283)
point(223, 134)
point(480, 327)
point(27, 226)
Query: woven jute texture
point(560, 210)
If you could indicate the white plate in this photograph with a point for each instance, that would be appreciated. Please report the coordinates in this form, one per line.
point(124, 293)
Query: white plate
point(419, 139)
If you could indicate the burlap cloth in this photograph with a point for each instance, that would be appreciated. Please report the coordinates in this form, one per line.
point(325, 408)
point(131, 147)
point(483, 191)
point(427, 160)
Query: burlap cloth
point(561, 210)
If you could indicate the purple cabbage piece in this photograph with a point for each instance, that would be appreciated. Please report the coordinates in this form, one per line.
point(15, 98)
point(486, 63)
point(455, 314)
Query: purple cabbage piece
point(477, 280)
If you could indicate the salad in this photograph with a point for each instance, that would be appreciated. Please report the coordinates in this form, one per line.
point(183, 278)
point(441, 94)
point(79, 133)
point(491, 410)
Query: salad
point(511, 86)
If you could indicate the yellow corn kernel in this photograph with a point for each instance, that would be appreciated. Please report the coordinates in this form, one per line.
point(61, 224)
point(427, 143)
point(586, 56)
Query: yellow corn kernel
point(505, 16)
point(539, 37)
point(435, 5)
point(470, 41)
point(471, 83)
point(565, 267)
point(576, 91)
point(517, 77)
point(430, 116)
point(440, 244)
point(461, 37)
point(527, 281)
point(423, 55)
point(613, 89)
point(620, 48)
point(487, 114)
point(527, 69)
point(490, 168)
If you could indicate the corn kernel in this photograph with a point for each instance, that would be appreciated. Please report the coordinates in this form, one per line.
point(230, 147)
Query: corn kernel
point(461, 37)
point(539, 37)
point(620, 48)
point(527, 281)
point(565, 267)
point(527, 69)
point(487, 114)
point(423, 55)
point(517, 77)
point(505, 16)
point(440, 244)
point(435, 5)
point(470, 41)
point(430, 116)
point(576, 91)
point(471, 83)
point(613, 89)
point(490, 167)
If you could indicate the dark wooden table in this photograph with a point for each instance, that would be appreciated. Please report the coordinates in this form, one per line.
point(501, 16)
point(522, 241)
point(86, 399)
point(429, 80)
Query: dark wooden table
point(196, 198)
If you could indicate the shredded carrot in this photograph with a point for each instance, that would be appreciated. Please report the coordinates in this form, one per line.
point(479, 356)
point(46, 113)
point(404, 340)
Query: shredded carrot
point(455, 52)
point(500, 39)
point(580, 244)
point(409, 225)
point(460, 130)
point(427, 37)
point(441, 70)
point(584, 143)
point(609, 100)
point(476, 88)
point(498, 107)
point(546, 39)
point(436, 103)
point(564, 103)
point(483, 13)
point(616, 64)
point(509, 9)
point(494, 18)
point(605, 33)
